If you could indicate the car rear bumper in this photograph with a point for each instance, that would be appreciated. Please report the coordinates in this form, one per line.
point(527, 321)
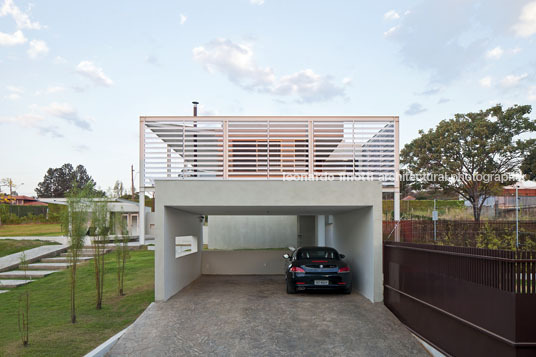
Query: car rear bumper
point(307, 281)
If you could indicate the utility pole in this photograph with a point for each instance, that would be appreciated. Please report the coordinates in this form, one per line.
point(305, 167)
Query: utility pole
point(517, 216)
point(132, 180)
point(434, 218)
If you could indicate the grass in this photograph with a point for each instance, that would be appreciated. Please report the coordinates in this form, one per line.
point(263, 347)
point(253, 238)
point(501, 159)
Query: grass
point(10, 246)
point(34, 229)
point(51, 331)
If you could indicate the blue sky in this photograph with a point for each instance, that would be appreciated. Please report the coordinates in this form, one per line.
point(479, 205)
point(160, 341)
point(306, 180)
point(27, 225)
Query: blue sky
point(76, 76)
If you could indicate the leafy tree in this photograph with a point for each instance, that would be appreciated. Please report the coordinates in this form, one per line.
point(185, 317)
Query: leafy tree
point(59, 181)
point(473, 154)
point(100, 225)
point(75, 226)
point(528, 167)
point(121, 250)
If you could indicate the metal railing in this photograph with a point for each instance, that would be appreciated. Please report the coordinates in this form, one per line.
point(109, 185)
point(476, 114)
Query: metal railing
point(269, 148)
point(464, 301)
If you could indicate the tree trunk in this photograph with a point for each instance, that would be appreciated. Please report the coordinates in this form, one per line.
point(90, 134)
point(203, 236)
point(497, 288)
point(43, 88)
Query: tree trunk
point(477, 209)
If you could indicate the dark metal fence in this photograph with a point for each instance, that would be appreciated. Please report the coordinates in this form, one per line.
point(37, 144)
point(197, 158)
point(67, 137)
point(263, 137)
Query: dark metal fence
point(465, 301)
point(463, 233)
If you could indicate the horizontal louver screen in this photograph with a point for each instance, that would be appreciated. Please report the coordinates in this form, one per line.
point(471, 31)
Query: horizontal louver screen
point(269, 148)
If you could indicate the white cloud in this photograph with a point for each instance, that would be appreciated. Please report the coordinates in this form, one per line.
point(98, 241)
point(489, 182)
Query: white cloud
point(414, 109)
point(532, 93)
point(495, 53)
point(14, 93)
point(69, 114)
point(51, 90)
point(26, 120)
point(206, 111)
point(96, 74)
point(347, 81)
point(526, 25)
point(235, 60)
point(516, 50)
point(33, 121)
point(257, 2)
point(512, 80)
point(17, 38)
point(37, 48)
point(391, 15)
point(59, 60)
point(12, 96)
point(391, 31)
point(446, 41)
point(21, 19)
point(183, 18)
point(14, 89)
point(486, 82)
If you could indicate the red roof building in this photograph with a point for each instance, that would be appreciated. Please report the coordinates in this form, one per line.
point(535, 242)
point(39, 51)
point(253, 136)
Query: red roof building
point(28, 201)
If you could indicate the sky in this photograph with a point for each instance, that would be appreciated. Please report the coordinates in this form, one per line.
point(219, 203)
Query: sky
point(75, 76)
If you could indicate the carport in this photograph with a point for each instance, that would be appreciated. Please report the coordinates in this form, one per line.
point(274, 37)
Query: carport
point(352, 209)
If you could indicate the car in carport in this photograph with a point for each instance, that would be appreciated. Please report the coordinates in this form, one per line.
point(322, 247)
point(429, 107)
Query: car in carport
point(317, 268)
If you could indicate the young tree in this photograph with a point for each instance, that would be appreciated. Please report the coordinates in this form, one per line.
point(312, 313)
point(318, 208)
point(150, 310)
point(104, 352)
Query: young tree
point(24, 306)
point(75, 226)
point(61, 180)
point(122, 253)
point(100, 224)
point(472, 154)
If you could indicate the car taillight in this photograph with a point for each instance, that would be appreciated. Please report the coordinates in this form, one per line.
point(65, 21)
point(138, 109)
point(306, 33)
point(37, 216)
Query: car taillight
point(344, 270)
point(297, 270)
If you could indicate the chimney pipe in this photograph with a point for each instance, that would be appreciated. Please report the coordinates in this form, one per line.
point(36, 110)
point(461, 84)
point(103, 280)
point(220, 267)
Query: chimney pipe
point(195, 108)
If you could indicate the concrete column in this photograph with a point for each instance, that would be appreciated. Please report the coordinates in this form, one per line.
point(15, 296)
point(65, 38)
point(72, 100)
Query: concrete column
point(320, 230)
point(329, 231)
point(141, 218)
point(397, 215)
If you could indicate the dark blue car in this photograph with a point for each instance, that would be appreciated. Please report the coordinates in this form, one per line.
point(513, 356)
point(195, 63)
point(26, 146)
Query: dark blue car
point(317, 268)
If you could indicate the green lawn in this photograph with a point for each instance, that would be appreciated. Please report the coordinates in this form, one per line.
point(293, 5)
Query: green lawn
point(36, 229)
point(51, 332)
point(10, 246)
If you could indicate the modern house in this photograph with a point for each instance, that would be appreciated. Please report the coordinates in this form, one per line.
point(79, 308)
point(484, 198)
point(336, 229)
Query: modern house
point(128, 210)
point(314, 180)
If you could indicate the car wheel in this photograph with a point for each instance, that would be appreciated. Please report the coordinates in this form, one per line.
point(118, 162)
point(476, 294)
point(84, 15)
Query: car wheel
point(291, 289)
point(347, 290)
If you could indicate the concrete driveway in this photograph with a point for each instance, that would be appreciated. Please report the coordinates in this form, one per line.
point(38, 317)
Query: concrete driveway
point(253, 316)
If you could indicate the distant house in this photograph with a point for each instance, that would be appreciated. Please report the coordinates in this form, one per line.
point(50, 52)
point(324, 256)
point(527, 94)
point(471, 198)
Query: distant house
point(27, 201)
point(526, 191)
point(128, 210)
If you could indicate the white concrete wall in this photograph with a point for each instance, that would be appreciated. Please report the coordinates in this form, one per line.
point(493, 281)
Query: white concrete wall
point(244, 262)
point(150, 224)
point(174, 273)
point(252, 232)
point(355, 206)
point(357, 234)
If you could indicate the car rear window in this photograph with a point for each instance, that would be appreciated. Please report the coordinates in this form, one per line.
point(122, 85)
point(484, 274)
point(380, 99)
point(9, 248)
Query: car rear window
point(317, 254)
